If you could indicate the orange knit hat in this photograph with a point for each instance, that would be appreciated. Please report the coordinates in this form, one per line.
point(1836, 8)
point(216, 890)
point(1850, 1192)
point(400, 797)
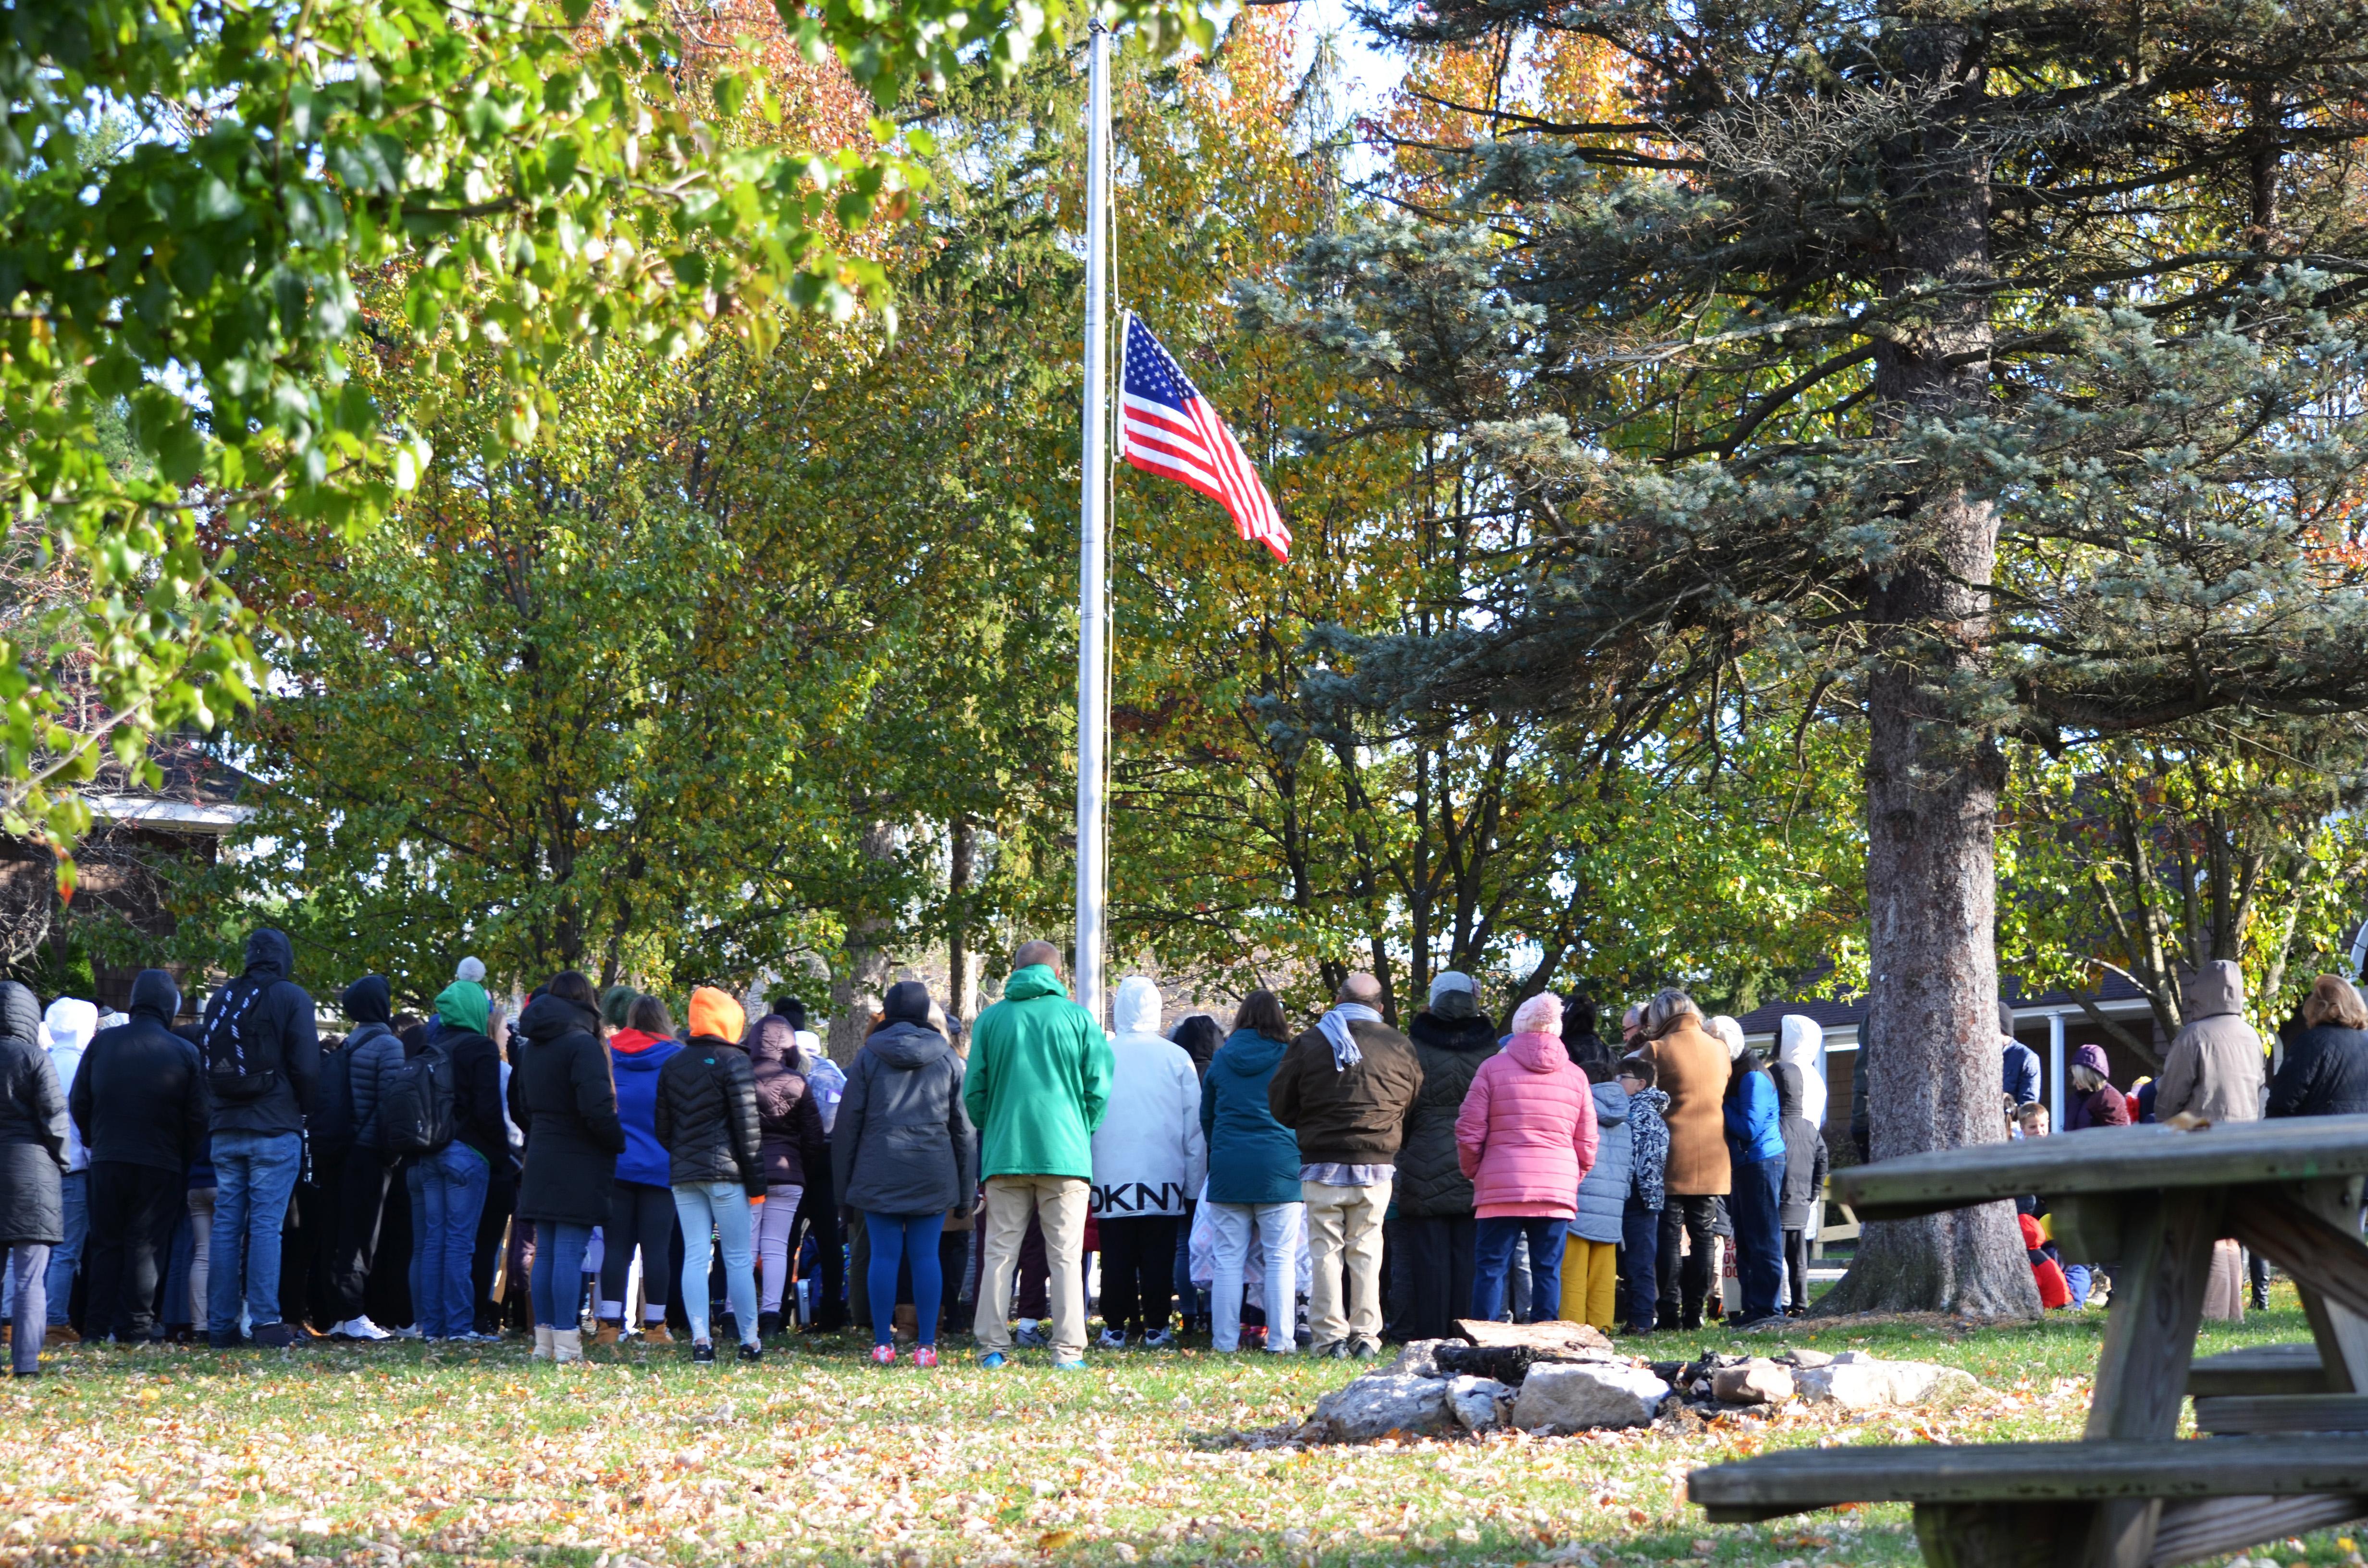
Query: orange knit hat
point(716, 1015)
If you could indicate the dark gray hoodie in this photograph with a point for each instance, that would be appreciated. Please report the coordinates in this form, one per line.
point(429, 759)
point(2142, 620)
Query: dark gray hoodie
point(285, 1014)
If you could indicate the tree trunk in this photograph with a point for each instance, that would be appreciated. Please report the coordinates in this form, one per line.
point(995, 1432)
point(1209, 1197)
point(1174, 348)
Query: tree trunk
point(961, 981)
point(1932, 785)
point(856, 985)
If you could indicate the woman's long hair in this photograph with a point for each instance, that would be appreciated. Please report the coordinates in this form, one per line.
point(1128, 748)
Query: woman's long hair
point(1261, 1012)
point(2333, 1000)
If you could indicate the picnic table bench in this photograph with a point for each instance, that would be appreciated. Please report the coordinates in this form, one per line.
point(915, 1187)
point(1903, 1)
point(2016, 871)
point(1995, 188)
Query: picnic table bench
point(2131, 1492)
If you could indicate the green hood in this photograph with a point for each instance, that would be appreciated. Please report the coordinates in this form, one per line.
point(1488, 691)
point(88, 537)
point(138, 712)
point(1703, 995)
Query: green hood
point(1036, 979)
point(463, 1003)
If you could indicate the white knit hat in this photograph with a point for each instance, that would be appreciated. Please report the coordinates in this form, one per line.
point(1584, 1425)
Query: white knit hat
point(1542, 1013)
point(470, 970)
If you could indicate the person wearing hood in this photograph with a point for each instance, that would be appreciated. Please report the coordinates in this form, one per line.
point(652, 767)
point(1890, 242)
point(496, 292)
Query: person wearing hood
point(1801, 1040)
point(2100, 1104)
point(1587, 1048)
point(140, 1105)
point(2326, 1068)
point(1648, 1161)
point(33, 1131)
point(261, 1046)
point(706, 1117)
point(67, 1028)
point(1253, 1174)
point(1590, 1258)
point(905, 1155)
point(1755, 1138)
point(641, 1211)
point(1805, 1163)
point(1344, 1087)
point(2215, 1067)
point(1431, 1238)
point(1150, 1158)
point(562, 1095)
point(817, 1215)
point(1526, 1137)
point(373, 1058)
point(792, 1144)
point(1199, 1036)
point(1690, 1066)
point(447, 1186)
point(1038, 1085)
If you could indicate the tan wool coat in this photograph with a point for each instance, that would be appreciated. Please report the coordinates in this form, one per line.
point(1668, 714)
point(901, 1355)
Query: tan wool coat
point(1692, 1066)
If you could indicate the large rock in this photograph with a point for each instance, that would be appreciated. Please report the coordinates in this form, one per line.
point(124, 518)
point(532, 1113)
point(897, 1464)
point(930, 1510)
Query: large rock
point(1566, 1339)
point(1756, 1382)
point(1573, 1397)
point(1479, 1405)
point(1419, 1358)
point(1380, 1403)
point(1866, 1382)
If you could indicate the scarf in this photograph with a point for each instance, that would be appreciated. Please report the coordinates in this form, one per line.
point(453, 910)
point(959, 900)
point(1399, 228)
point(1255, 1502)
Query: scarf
point(1334, 1026)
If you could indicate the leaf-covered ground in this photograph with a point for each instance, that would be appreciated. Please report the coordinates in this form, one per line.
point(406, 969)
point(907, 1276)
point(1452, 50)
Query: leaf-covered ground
point(394, 1454)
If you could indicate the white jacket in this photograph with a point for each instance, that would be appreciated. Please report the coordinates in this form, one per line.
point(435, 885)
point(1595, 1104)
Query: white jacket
point(1800, 1041)
point(1149, 1156)
point(70, 1023)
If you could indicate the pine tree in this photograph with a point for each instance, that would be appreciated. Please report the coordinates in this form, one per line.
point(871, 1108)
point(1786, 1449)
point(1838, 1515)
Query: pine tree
point(1995, 366)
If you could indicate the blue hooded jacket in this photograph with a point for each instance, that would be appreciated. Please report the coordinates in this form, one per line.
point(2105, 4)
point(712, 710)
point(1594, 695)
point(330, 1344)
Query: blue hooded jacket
point(635, 1059)
point(1253, 1158)
point(1755, 1129)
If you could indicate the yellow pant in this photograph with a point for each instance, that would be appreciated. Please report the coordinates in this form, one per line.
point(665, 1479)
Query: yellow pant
point(1590, 1282)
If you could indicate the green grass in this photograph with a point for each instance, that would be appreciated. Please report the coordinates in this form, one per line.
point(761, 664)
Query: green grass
point(394, 1454)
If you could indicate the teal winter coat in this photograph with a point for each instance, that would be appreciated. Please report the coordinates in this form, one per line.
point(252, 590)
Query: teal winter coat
point(1253, 1158)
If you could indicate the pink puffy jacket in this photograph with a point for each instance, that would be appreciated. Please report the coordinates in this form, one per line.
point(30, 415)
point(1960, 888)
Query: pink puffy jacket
point(1526, 1134)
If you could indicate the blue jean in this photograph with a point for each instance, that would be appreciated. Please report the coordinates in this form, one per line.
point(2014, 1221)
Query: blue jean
point(1492, 1261)
point(1640, 1270)
point(74, 1194)
point(894, 1238)
point(2076, 1275)
point(448, 1191)
point(28, 1264)
point(558, 1277)
point(254, 1172)
point(1755, 1207)
point(720, 1209)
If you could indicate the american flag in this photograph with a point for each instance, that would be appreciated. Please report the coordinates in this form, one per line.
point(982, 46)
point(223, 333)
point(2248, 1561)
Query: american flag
point(1165, 427)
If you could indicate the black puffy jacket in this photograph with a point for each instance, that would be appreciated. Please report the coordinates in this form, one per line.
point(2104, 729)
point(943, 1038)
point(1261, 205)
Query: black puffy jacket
point(32, 1126)
point(2325, 1074)
point(707, 1116)
point(561, 1095)
point(1431, 1182)
point(140, 1098)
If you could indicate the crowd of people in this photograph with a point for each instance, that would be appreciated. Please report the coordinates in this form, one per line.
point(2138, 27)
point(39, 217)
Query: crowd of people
point(590, 1168)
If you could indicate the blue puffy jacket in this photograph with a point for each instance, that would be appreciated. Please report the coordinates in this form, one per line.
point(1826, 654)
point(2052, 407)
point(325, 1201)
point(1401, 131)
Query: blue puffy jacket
point(1603, 1194)
point(635, 1059)
point(1253, 1158)
point(1755, 1127)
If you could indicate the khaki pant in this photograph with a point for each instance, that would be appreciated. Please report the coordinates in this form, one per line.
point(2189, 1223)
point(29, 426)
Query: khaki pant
point(1344, 1228)
point(1059, 1204)
point(1590, 1282)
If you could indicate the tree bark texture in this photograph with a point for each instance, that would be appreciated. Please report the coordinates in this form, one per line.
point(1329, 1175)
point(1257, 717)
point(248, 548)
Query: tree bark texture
point(1931, 786)
point(961, 981)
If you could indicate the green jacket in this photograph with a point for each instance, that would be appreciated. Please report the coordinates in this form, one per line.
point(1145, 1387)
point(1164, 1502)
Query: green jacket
point(1039, 1080)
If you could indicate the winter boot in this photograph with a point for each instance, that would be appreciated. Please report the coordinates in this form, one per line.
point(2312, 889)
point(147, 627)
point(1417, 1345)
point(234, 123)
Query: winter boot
point(566, 1345)
point(542, 1343)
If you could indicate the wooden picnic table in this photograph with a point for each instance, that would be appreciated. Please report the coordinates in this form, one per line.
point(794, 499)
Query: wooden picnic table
point(2131, 1494)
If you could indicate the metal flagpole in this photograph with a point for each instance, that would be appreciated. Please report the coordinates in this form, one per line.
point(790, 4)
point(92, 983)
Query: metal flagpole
point(1093, 627)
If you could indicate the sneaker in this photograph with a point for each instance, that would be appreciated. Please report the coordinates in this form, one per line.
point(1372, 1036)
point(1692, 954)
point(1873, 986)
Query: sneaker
point(408, 1331)
point(1076, 1366)
point(223, 1339)
point(359, 1328)
point(925, 1357)
point(884, 1355)
point(991, 1359)
point(752, 1352)
point(1030, 1336)
point(275, 1336)
point(702, 1352)
point(1163, 1340)
point(1111, 1339)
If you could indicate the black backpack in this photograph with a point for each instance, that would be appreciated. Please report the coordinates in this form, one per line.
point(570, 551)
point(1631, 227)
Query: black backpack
point(240, 1043)
point(416, 1112)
